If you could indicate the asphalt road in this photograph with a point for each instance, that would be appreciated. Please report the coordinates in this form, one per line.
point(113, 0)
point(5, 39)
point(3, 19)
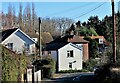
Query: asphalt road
point(81, 78)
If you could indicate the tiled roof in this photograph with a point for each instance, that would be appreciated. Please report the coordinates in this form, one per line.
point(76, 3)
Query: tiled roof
point(77, 39)
point(45, 37)
point(54, 46)
point(98, 37)
point(95, 37)
point(61, 41)
point(7, 33)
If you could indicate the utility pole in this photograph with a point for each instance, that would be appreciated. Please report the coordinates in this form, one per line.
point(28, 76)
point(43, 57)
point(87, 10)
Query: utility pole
point(114, 32)
point(40, 49)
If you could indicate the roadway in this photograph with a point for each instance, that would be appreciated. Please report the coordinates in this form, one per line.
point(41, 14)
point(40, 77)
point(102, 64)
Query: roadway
point(77, 77)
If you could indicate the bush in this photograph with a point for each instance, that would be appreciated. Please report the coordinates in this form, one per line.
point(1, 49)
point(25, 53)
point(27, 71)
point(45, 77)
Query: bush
point(13, 65)
point(47, 64)
point(90, 65)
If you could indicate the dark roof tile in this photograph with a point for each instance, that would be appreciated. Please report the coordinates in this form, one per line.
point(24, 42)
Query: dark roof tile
point(7, 33)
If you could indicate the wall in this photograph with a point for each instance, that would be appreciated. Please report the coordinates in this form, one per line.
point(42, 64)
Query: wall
point(85, 52)
point(52, 53)
point(29, 75)
point(37, 76)
point(63, 60)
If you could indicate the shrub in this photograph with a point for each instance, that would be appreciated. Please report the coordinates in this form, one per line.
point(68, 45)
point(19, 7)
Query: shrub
point(48, 66)
point(90, 65)
point(13, 65)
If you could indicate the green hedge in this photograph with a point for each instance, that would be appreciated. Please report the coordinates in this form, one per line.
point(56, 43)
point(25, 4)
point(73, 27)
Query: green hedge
point(73, 71)
point(13, 65)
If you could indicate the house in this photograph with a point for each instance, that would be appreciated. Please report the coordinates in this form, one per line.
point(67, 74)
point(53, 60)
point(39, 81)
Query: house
point(46, 37)
point(67, 52)
point(70, 57)
point(78, 40)
point(102, 43)
point(16, 40)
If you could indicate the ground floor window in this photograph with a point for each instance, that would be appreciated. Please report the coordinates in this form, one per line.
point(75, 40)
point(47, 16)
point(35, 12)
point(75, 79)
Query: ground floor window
point(10, 46)
point(27, 46)
point(70, 65)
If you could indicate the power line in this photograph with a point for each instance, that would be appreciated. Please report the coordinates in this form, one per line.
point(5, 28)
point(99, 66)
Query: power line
point(71, 9)
point(90, 10)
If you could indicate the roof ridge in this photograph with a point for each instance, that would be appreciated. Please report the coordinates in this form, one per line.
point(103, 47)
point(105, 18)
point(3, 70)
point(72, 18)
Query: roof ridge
point(76, 46)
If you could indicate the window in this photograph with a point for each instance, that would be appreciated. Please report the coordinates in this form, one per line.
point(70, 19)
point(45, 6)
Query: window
point(26, 46)
point(49, 52)
point(70, 53)
point(10, 46)
point(100, 41)
point(70, 65)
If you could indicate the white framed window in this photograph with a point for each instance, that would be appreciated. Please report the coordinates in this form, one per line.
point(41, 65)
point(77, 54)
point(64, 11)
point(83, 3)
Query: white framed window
point(10, 46)
point(100, 41)
point(70, 65)
point(70, 53)
point(27, 46)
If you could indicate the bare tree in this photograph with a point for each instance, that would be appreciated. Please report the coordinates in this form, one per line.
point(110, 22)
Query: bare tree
point(9, 16)
point(13, 17)
point(28, 12)
point(47, 25)
point(33, 16)
point(3, 20)
point(20, 20)
point(56, 26)
point(25, 20)
point(63, 24)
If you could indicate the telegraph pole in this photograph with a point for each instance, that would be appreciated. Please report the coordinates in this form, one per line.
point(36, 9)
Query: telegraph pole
point(114, 32)
point(40, 49)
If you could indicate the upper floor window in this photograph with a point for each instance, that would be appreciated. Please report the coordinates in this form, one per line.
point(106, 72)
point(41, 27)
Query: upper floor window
point(70, 53)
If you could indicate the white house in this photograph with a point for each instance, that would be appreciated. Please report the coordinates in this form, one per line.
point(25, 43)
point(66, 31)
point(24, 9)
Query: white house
point(16, 40)
point(66, 54)
point(70, 57)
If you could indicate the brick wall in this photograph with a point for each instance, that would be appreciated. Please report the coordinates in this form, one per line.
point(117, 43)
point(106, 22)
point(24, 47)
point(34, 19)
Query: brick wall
point(85, 52)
